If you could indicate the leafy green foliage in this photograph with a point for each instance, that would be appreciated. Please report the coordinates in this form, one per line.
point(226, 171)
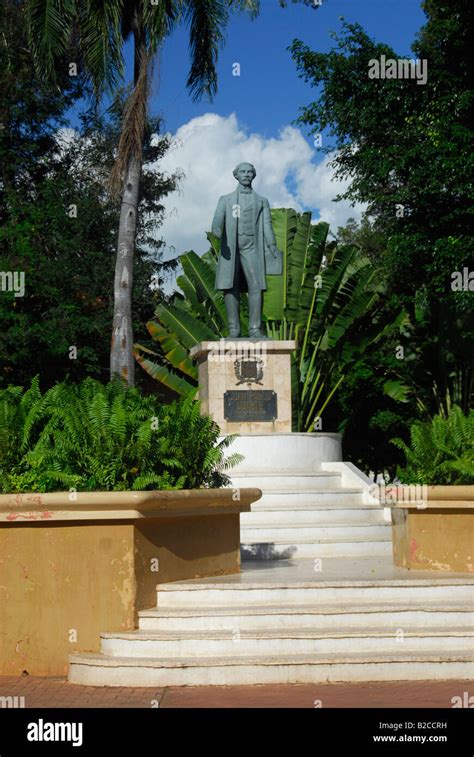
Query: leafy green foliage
point(365, 416)
point(402, 145)
point(195, 315)
point(100, 29)
point(328, 298)
point(440, 451)
point(91, 436)
point(58, 223)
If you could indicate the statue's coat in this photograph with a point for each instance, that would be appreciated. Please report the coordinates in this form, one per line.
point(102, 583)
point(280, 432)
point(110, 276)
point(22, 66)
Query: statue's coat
point(224, 226)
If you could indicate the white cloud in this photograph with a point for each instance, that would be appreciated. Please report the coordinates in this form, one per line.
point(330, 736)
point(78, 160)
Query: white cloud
point(316, 189)
point(207, 149)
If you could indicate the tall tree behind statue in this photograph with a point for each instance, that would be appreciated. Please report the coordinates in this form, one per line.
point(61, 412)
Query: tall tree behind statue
point(57, 223)
point(100, 31)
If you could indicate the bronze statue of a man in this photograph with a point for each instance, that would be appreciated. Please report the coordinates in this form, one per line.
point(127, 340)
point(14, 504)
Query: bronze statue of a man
point(243, 223)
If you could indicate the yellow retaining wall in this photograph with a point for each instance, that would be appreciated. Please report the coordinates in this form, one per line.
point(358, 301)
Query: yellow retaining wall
point(437, 535)
point(69, 570)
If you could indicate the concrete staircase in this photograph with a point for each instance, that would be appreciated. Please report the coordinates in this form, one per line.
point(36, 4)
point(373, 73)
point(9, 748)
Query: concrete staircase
point(339, 612)
point(311, 515)
point(295, 629)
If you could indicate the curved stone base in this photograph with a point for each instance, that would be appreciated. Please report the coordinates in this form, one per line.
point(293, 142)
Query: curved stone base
point(286, 453)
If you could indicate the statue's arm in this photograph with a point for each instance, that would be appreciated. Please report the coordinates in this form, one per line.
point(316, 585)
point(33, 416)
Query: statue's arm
point(268, 233)
point(219, 217)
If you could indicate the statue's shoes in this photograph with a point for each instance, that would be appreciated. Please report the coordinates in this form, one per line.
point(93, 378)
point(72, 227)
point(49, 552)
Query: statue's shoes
point(233, 334)
point(257, 334)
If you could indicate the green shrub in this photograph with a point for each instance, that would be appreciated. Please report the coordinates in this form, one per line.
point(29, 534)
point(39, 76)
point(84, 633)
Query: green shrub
point(93, 437)
point(441, 451)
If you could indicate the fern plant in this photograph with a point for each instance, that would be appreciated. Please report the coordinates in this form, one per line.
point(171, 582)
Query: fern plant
point(441, 451)
point(92, 437)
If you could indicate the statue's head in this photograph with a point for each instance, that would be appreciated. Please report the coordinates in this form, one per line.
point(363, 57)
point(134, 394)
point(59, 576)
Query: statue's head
point(245, 173)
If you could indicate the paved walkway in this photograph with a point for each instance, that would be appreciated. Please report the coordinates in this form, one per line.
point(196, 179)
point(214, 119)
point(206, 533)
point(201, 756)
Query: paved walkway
point(57, 692)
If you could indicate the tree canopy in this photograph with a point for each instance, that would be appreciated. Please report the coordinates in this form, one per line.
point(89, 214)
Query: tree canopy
point(407, 149)
point(59, 225)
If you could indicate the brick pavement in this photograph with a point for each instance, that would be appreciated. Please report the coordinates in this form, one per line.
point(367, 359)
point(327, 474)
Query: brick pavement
point(57, 692)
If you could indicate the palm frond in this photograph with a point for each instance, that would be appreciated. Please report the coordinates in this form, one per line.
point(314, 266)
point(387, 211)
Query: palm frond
point(207, 19)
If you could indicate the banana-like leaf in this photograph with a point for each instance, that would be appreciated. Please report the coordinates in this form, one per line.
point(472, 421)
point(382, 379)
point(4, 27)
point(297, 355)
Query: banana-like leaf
point(189, 290)
point(357, 303)
point(312, 270)
point(162, 374)
point(332, 280)
point(210, 258)
point(297, 265)
point(215, 243)
point(274, 301)
point(196, 306)
point(380, 326)
point(188, 330)
point(172, 349)
point(201, 274)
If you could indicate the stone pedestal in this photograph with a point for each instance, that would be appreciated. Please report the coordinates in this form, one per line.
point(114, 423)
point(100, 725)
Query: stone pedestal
point(245, 384)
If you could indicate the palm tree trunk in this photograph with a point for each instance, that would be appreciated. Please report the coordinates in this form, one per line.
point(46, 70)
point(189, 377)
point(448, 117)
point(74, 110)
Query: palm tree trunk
point(122, 362)
point(121, 356)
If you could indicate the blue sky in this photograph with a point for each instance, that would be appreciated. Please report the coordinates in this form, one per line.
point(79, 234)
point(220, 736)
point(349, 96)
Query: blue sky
point(252, 116)
point(268, 92)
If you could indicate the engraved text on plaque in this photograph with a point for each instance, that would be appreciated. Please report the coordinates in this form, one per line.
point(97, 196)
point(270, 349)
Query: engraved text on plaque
point(250, 405)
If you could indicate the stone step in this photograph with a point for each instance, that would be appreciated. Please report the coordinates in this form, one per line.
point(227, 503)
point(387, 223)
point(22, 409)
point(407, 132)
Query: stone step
point(330, 615)
point(276, 642)
point(313, 498)
point(302, 550)
point(311, 532)
point(94, 669)
point(316, 593)
point(298, 482)
point(311, 515)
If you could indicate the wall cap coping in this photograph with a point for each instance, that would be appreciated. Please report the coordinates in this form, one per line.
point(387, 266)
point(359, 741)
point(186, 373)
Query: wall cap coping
point(438, 497)
point(447, 504)
point(29, 507)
